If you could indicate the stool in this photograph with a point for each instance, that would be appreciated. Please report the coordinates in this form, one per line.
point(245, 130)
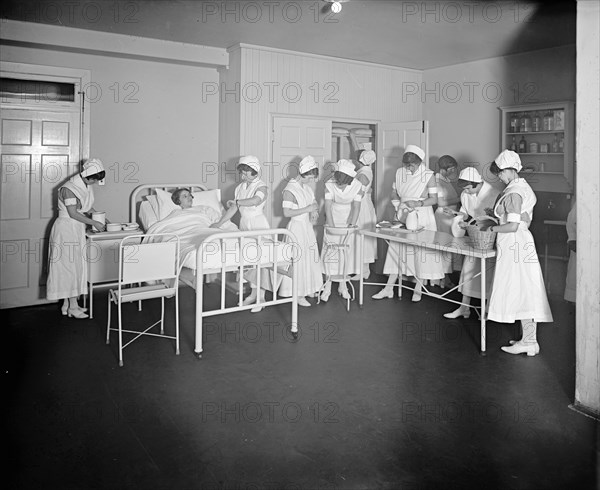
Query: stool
point(336, 243)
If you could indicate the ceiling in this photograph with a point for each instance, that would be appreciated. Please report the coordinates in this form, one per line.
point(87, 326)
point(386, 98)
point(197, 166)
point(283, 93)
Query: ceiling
point(410, 34)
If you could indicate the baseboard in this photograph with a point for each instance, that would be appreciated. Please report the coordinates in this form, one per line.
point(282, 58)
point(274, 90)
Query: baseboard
point(587, 411)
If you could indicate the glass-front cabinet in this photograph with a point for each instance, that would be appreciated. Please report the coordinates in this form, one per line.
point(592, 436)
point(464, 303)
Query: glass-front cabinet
point(543, 135)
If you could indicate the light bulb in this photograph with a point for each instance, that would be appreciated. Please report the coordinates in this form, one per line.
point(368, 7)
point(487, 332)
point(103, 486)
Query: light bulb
point(336, 7)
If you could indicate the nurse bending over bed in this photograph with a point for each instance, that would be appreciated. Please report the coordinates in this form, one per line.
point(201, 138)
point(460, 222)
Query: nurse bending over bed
point(249, 199)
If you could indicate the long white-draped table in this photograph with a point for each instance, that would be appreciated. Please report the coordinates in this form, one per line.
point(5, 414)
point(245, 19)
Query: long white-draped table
point(436, 241)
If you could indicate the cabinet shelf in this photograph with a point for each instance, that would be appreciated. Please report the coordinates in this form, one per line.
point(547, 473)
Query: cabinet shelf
point(523, 133)
point(548, 171)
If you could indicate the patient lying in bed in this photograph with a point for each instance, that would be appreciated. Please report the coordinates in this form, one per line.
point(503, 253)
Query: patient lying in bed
point(190, 223)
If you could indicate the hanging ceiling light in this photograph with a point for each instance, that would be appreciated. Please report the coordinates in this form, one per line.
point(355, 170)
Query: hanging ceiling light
point(335, 5)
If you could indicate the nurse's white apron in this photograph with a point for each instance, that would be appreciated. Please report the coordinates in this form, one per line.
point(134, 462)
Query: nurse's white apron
point(518, 291)
point(341, 207)
point(308, 265)
point(474, 205)
point(367, 219)
point(67, 266)
point(406, 259)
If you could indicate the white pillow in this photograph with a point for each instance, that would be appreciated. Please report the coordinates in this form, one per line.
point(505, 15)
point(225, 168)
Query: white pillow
point(210, 198)
point(165, 204)
point(147, 215)
point(154, 203)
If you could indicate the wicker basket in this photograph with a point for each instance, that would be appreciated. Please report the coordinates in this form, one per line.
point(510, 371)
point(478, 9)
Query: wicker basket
point(482, 240)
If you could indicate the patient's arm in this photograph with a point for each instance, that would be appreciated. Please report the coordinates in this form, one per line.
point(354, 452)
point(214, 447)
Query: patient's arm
point(227, 215)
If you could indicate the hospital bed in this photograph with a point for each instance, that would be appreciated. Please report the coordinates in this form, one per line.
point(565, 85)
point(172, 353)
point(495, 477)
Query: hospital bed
point(218, 252)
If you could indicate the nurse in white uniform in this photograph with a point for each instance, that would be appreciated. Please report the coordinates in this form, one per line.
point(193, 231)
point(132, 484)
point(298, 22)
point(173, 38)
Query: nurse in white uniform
point(476, 197)
point(448, 199)
point(343, 194)
point(416, 188)
point(249, 199)
point(518, 291)
point(67, 273)
point(367, 218)
point(300, 206)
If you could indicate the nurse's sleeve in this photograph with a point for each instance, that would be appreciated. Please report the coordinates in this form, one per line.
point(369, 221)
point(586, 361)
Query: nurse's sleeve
point(512, 207)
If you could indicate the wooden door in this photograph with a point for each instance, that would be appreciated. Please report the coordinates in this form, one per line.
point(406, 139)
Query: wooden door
point(392, 139)
point(293, 139)
point(40, 150)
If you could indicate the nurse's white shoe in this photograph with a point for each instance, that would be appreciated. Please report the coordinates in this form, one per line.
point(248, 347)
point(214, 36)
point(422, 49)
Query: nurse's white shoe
point(530, 349)
point(302, 301)
point(386, 292)
point(461, 311)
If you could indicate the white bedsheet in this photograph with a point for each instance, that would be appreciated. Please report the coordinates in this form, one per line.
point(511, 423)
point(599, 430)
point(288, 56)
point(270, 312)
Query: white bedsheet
point(192, 226)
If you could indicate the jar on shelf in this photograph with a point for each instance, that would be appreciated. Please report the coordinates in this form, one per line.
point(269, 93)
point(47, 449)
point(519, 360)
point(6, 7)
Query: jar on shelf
point(522, 145)
point(548, 123)
point(555, 144)
point(561, 144)
point(515, 122)
point(525, 123)
point(533, 147)
point(537, 123)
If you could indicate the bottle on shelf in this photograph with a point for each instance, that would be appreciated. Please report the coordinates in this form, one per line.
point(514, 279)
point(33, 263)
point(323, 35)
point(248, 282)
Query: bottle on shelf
point(561, 144)
point(533, 147)
point(548, 123)
point(523, 145)
point(555, 143)
point(537, 122)
point(515, 122)
point(525, 123)
point(513, 145)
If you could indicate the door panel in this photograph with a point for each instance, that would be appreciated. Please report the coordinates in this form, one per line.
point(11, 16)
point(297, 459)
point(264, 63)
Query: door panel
point(40, 150)
point(392, 139)
point(293, 139)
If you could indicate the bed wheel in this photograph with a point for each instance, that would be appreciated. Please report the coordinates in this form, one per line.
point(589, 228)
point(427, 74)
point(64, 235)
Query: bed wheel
point(295, 336)
point(199, 355)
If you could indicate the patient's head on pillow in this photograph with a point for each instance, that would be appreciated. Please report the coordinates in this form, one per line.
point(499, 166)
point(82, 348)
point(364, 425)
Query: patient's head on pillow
point(183, 197)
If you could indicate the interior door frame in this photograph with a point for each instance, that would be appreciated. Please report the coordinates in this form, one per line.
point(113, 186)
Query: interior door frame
point(27, 71)
point(78, 109)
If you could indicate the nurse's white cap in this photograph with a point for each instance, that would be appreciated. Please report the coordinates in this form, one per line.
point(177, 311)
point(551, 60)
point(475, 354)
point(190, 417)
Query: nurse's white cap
point(367, 157)
point(416, 150)
point(251, 161)
point(509, 159)
point(306, 164)
point(91, 167)
point(470, 174)
point(346, 167)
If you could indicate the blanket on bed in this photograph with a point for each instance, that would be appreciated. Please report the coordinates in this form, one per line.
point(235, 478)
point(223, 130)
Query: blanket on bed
point(192, 226)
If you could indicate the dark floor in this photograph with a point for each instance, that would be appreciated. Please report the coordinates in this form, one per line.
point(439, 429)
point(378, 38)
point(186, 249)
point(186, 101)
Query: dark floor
point(390, 396)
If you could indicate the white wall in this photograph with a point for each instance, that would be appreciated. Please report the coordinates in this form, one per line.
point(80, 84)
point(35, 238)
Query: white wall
point(461, 101)
point(163, 134)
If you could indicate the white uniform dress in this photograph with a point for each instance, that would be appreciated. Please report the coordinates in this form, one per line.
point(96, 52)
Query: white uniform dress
point(474, 205)
point(367, 219)
point(414, 261)
point(67, 272)
point(518, 291)
point(308, 266)
point(341, 205)
point(570, 286)
point(252, 217)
